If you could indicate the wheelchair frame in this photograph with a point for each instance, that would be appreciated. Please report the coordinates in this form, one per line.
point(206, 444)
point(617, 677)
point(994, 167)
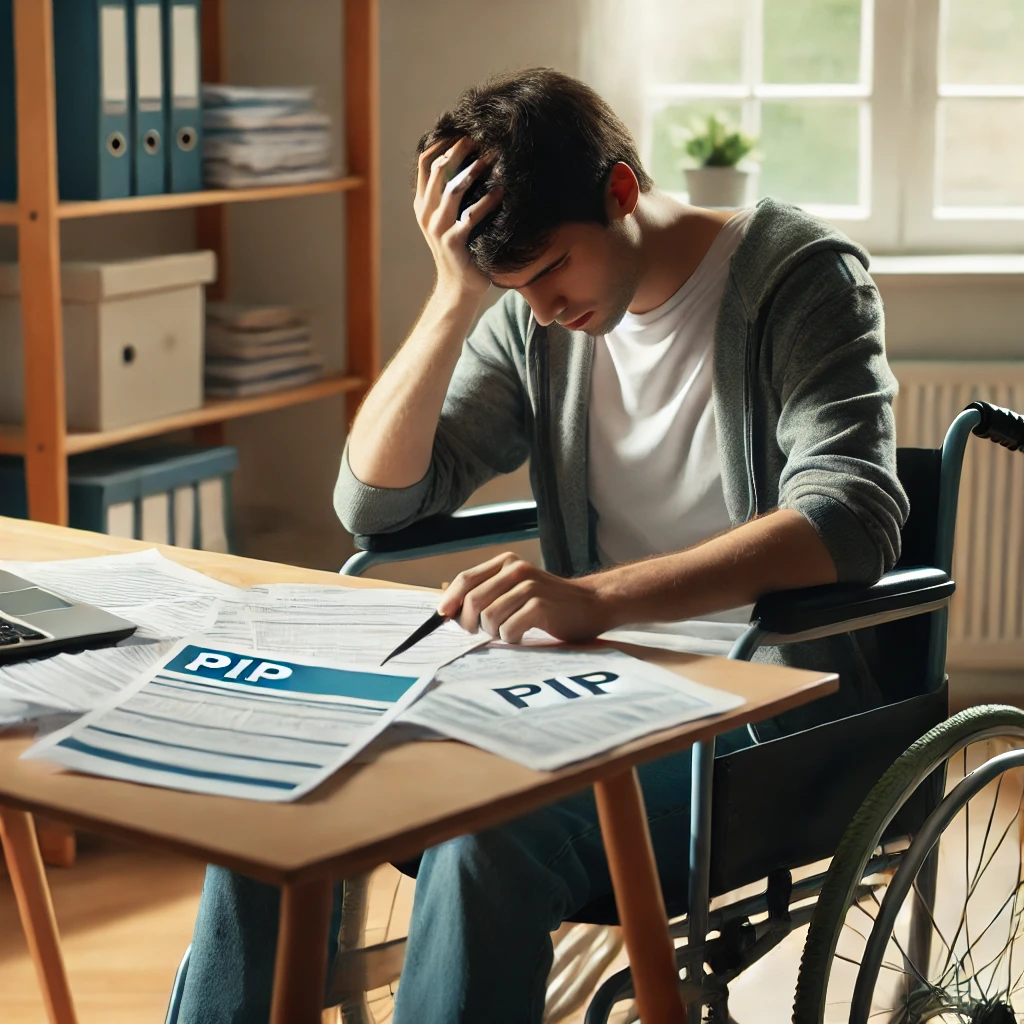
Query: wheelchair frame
point(821, 611)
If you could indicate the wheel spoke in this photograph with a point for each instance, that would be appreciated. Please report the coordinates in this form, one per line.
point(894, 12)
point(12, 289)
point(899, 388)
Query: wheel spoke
point(967, 870)
point(1020, 864)
point(931, 917)
point(856, 963)
point(914, 969)
point(857, 932)
point(976, 882)
point(988, 830)
point(975, 971)
point(871, 917)
point(982, 868)
point(970, 887)
point(1002, 839)
point(1013, 936)
point(1011, 898)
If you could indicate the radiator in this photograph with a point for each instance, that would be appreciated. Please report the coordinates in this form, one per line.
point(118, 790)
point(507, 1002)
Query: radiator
point(986, 621)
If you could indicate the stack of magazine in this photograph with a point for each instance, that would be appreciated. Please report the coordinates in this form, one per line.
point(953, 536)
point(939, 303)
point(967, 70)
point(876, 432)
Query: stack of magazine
point(252, 350)
point(264, 136)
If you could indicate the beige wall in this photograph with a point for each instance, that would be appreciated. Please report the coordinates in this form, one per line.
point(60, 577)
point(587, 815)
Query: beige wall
point(429, 52)
point(292, 251)
point(968, 317)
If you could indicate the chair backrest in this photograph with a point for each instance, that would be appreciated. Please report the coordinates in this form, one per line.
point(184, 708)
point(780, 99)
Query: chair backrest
point(900, 651)
point(919, 472)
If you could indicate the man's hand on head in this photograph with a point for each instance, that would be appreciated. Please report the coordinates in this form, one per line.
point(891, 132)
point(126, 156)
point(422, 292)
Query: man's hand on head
point(439, 190)
point(506, 596)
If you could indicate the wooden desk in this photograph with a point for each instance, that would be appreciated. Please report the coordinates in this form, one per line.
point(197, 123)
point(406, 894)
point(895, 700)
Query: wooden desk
point(391, 806)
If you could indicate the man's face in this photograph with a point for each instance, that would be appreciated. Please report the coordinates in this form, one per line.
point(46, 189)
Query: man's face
point(585, 279)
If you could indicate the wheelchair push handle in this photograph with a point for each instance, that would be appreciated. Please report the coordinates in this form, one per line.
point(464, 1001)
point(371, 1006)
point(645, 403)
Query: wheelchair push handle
point(1004, 426)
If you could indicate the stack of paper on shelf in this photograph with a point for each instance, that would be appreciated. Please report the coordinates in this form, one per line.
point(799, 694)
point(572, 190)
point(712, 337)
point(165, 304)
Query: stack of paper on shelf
point(264, 136)
point(252, 350)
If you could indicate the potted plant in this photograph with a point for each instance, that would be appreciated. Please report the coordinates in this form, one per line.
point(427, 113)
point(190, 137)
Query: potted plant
point(714, 176)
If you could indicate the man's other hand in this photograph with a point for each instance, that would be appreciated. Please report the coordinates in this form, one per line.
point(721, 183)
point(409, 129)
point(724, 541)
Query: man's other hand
point(439, 190)
point(506, 596)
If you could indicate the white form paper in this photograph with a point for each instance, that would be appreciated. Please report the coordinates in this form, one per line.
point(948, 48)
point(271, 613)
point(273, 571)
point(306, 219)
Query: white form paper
point(231, 722)
point(231, 622)
point(690, 637)
point(546, 707)
point(165, 600)
point(19, 713)
point(121, 581)
point(353, 626)
point(78, 682)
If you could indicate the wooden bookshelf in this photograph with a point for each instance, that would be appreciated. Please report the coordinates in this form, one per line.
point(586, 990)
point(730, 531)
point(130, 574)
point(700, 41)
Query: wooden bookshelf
point(43, 439)
point(214, 410)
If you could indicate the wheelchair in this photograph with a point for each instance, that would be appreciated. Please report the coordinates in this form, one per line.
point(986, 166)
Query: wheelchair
point(855, 846)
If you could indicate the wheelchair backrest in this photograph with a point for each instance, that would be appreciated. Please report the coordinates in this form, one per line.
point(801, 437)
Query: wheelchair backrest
point(901, 650)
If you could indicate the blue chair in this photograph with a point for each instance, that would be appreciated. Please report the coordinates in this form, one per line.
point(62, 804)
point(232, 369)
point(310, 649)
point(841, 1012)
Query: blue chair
point(873, 804)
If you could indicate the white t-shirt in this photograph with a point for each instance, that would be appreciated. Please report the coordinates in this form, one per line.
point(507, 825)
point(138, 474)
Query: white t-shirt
point(654, 475)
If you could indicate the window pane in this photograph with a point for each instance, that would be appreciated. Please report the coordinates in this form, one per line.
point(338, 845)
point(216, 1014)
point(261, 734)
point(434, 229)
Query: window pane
point(983, 42)
point(696, 41)
point(811, 152)
point(668, 139)
point(981, 152)
point(812, 41)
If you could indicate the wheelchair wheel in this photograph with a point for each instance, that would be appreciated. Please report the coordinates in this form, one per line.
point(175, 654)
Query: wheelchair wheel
point(928, 929)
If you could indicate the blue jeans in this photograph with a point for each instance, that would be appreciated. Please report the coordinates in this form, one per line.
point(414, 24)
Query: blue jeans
point(479, 942)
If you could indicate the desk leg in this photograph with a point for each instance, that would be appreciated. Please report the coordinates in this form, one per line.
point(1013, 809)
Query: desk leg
point(35, 907)
point(627, 841)
point(300, 976)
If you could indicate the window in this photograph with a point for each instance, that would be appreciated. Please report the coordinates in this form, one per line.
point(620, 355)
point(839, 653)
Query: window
point(902, 121)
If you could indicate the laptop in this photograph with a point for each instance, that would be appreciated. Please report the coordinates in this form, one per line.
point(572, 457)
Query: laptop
point(34, 622)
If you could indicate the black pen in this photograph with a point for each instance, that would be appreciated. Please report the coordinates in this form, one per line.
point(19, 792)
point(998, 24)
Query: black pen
point(428, 627)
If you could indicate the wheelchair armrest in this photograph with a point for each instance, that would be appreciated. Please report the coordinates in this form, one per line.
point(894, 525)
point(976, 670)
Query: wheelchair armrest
point(811, 612)
point(469, 527)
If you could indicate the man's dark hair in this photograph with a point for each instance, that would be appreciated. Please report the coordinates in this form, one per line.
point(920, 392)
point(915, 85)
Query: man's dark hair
point(554, 142)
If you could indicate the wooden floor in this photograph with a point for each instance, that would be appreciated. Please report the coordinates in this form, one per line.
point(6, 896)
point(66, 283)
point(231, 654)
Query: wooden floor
point(126, 917)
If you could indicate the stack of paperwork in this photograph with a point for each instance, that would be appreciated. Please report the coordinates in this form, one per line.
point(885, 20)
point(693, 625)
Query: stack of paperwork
point(264, 136)
point(264, 692)
point(252, 350)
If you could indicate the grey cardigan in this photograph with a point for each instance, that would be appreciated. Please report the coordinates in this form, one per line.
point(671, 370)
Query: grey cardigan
point(803, 411)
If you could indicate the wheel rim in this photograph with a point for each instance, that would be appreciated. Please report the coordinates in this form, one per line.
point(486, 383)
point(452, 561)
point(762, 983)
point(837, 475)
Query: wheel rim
point(973, 972)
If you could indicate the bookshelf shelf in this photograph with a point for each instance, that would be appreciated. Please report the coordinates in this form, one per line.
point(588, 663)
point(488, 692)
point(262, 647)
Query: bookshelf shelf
point(220, 410)
point(211, 197)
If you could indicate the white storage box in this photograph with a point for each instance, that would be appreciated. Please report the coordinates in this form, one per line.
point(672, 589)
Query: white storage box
point(133, 339)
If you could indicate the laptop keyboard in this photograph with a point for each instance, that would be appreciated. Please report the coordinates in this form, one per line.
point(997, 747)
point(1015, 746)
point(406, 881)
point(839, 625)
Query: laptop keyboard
point(14, 633)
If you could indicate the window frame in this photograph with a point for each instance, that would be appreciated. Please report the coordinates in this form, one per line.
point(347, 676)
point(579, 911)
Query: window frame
point(974, 229)
point(899, 86)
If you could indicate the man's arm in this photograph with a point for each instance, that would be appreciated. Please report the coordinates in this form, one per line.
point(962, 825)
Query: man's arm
point(447, 414)
point(392, 436)
point(836, 426)
point(507, 596)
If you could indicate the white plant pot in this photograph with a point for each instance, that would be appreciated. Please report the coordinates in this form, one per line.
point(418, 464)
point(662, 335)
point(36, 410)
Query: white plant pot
point(727, 187)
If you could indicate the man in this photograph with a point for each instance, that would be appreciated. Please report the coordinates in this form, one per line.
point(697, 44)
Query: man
point(705, 404)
